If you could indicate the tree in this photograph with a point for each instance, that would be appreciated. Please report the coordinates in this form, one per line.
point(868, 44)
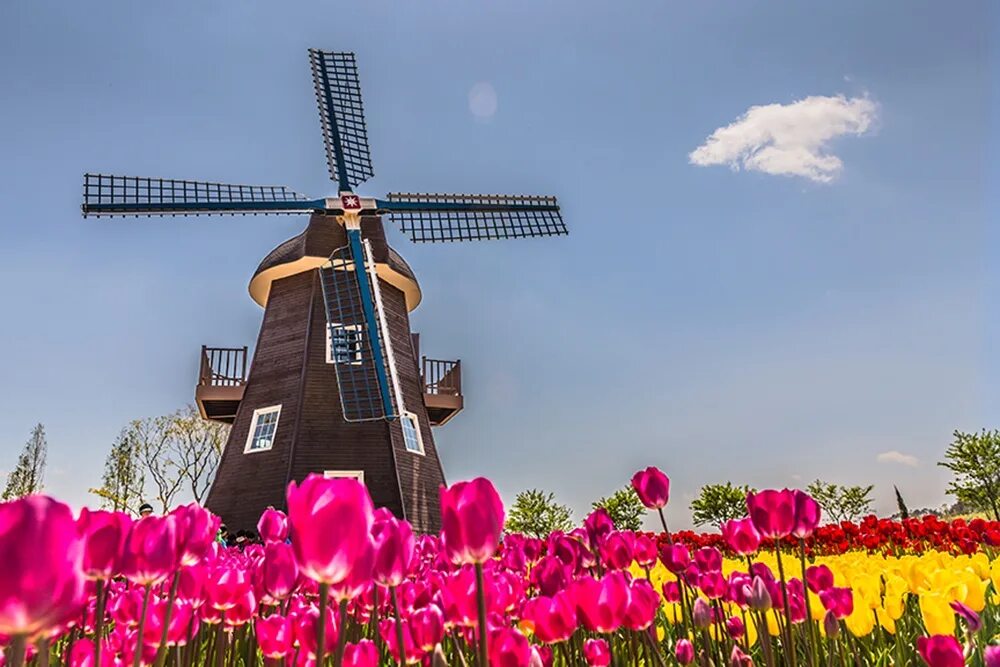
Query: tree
point(974, 458)
point(536, 513)
point(625, 508)
point(842, 503)
point(196, 444)
point(904, 513)
point(29, 472)
point(123, 481)
point(719, 503)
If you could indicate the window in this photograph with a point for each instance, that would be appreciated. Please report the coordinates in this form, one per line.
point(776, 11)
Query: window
point(411, 433)
point(352, 474)
point(262, 429)
point(343, 343)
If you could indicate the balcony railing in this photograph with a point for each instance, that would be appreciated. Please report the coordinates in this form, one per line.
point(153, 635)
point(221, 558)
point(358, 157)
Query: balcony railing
point(442, 377)
point(223, 366)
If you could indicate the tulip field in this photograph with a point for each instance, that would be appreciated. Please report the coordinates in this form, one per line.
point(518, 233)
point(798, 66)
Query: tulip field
point(337, 582)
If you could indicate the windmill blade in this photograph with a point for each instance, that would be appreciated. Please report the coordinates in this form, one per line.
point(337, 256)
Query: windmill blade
point(338, 95)
point(136, 196)
point(354, 346)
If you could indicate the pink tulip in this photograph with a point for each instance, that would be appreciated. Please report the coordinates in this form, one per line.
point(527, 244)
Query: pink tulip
point(274, 635)
point(458, 597)
point(597, 525)
point(772, 512)
point(941, 651)
point(597, 653)
point(362, 654)
point(675, 557)
point(41, 558)
point(554, 618)
point(180, 622)
point(331, 521)
point(196, 531)
point(616, 549)
point(708, 559)
point(306, 624)
point(509, 648)
point(701, 614)
point(549, 575)
point(652, 487)
point(645, 551)
point(360, 578)
point(684, 651)
point(972, 620)
point(82, 654)
point(713, 585)
point(831, 626)
point(472, 517)
point(807, 515)
point(427, 627)
point(601, 604)
point(739, 659)
point(104, 535)
point(387, 629)
point(838, 600)
point(151, 550)
point(394, 549)
point(735, 627)
point(279, 572)
point(741, 536)
point(191, 585)
point(272, 526)
point(819, 578)
point(225, 586)
point(642, 605)
point(991, 656)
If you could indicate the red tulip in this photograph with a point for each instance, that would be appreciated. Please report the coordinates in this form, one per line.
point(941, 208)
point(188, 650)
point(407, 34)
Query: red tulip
point(151, 550)
point(472, 518)
point(279, 572)
point(331, 521)
point(104, 535)
point(509, 648)
point(772, 512)
point(196, 531)
point(941, 651)
point(652, 487)
point(741, 536)
point(427, 627)
point(807, 515)
point(41, 558)
point(684, 651)
point(362, 654)
point(273, 525)
point(394, 544)
point(597, 653)
point(554, 618)
point(274, 635)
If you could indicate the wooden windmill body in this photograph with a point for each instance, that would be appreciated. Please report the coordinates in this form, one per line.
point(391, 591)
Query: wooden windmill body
point(336, 385)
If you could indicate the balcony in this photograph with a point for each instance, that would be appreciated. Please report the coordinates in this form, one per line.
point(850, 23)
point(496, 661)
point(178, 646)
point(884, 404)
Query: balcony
point(221, 381)
point(442, 389)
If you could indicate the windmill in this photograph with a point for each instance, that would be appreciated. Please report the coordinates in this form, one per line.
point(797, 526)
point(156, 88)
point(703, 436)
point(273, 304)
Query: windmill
point(335, 385)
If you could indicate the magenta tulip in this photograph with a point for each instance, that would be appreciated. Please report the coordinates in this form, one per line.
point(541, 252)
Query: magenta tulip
point(509, 648)
point(394, 549)
point(330, 521)
point(972, 620)
point(196, 531)
point(104, 535)
point(708, 559)
point(652, 486)
point(601, 605)
point(279, 571)
point(642, 605)
point(737, 658)
point(274, 635)
point(554, 618)
point(597, 525)
point(272, 526)
point(616, 549)
point(840, 601)
point(151, 550)
point(941, 651)
point(225, 586)
point(807, 515)
point(772, 512)
point(360, 577)
point(472, 517)
point(306, 624)
point(82, 654)
point(362, 654)
point(387, 630)
point(596, 653)
point(741, 536)
point(427, 627)
point(41, 558)
point(991, 656)
point(675, 557)
point(549, 575)
point(645, 551)
point(819, 578)
point(684, 651)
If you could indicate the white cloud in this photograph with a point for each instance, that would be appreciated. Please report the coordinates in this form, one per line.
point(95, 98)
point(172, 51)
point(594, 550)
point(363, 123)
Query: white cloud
point(788, 139)
point(893, 456)
point(483, 100)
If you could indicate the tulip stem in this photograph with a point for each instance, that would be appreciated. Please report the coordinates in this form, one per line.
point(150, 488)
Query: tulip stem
point(788, 612)
point(663, 520)
point(324, 590)
point(400, 647)
point(654, 649)
point(161, 653)
point(338, 657)
point(136, 661)
point(99, 621)
point(220, 646)
point(813, 640)
point(18, 644)
point(481, 601)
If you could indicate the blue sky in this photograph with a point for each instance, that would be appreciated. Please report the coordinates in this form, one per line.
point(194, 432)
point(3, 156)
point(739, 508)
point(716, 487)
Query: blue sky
point(721, 324)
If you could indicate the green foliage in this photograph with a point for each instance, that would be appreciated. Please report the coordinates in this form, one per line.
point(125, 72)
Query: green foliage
point(718, 503)
point(28, 473)
point(536, 514)
point(974, 458)
point(123, 481)
point(842, 503)
point(904, 513)
point(625, 508)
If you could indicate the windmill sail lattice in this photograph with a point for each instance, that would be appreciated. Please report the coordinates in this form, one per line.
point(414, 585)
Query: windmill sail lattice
point(342, 114)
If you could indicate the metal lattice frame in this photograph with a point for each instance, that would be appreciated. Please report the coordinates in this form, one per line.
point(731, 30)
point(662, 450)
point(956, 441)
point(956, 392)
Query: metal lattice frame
point(338, 95)
point(360, 396)
point(124, 195)
point(477, 217)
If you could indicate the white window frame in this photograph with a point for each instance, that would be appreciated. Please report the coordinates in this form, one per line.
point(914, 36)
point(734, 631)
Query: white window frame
point(257, 414)
point(348, 474)
point(416, 428)
point(329, 343)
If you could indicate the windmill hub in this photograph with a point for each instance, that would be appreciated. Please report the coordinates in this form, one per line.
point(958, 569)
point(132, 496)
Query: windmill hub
point(336, 385)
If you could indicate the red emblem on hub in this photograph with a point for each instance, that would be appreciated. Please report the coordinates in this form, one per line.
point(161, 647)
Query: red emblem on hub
point(350, 202)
